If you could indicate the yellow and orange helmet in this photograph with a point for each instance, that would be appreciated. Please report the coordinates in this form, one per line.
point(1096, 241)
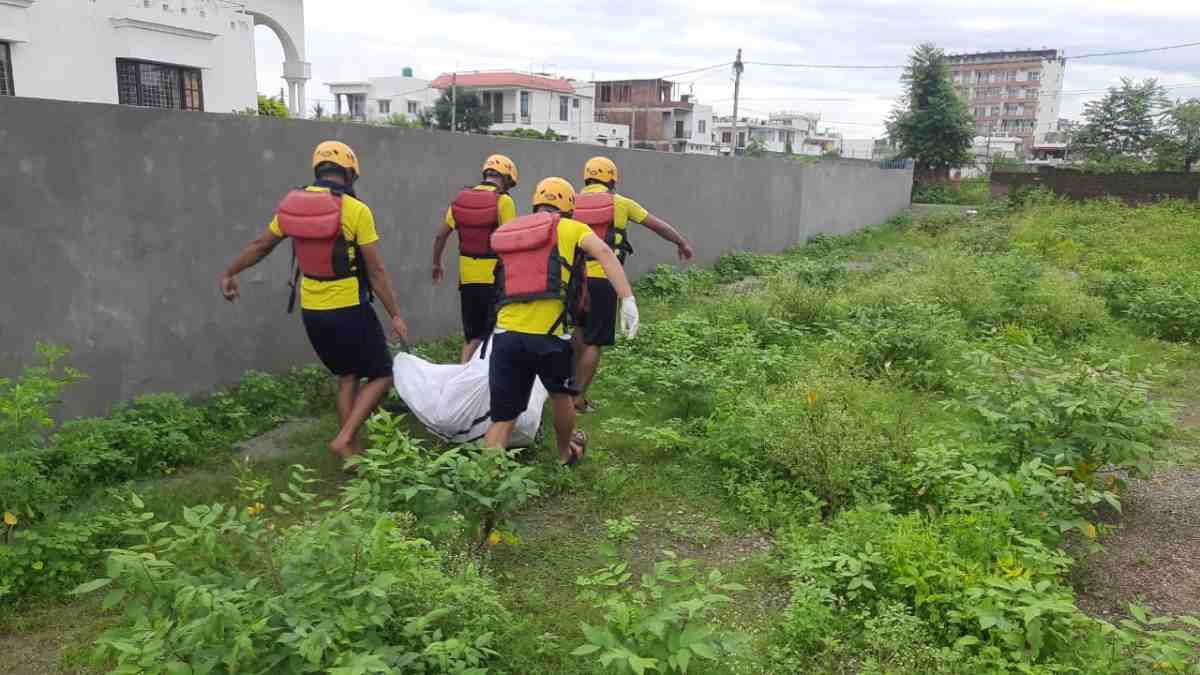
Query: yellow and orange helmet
point(556, 192)
point(502, 165)
point(338, 153)
point(602, 169)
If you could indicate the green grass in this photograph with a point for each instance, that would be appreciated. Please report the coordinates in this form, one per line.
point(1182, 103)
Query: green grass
point(873, 325)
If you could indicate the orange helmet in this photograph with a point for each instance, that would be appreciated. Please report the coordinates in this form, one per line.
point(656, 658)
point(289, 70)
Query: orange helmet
point(502, 165)
point(338, 153)
point(602, 169)
point(556, 192)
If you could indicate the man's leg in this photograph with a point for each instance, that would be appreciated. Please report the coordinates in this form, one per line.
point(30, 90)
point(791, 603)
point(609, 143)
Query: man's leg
point(497, 434)
point(369, 396)
point(562, 408)
point(598, 330)
point(347, 390)
point(587, 361)
point(469, 348)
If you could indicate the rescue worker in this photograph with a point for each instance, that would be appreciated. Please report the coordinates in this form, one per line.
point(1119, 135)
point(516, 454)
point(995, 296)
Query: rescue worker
point(335, 248)
point(475, 213)
point(609, 215)
point(531, 337)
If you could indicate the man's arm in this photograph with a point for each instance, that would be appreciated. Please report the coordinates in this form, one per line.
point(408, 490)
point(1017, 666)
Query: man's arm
point(601, 253)
point(250, 256)
point(663, 229)
point(381, 284)
point(439, 247)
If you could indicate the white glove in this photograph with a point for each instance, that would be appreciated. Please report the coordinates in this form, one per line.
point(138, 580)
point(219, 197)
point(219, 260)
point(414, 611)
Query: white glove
point(629, 317)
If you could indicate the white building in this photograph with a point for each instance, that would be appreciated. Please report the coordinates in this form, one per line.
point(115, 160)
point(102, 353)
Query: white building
point(183, 54)
point(857, 148)
point(524, 101)
point(804, 122)
point(378, 98)
point(773, 136)
point(702, 132)
point(1011, 93)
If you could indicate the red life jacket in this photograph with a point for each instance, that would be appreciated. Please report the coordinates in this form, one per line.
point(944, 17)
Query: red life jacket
point(476, 216)
point(596, 210)
point(313, 221)
point(530, 267)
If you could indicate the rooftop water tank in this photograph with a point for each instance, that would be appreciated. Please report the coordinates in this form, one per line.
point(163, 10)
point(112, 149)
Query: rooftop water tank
point(408, 72)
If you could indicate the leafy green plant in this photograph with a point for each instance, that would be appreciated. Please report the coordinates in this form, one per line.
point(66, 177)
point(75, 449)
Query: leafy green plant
point(471, 488)
point(344, 589)
point(658, 625)
point(27, 404)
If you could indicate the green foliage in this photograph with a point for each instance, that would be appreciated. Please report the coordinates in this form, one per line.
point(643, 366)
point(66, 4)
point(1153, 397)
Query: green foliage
point(1179, 146)
point(755, 148)
point(469, 113)
point(932, 125)
point(401, 120)
point(472, 489)
point(344, 589)
point(27, 404)
point(272, 107)
point(970, 192)
point(1124, 122)
point(660, 624)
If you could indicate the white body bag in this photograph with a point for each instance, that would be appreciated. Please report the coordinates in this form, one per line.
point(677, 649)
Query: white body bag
point(453, 400)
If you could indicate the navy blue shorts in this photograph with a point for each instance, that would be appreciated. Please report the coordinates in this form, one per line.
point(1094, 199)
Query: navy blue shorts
point(349, 341)
point(517, 358)
point(477, 316)
point(599, 323)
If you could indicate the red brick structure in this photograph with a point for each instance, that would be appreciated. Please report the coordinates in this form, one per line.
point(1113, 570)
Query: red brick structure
point(659, 117)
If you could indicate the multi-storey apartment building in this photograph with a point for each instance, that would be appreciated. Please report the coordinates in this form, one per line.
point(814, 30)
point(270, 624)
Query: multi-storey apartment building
point(659, 116)
point(1011, 93)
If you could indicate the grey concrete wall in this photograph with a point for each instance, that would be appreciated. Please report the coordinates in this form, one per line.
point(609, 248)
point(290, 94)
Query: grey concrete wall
point(117, 221)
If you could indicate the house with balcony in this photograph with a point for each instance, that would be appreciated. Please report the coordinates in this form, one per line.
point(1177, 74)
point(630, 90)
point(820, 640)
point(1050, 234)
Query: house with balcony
point(774, 136)
point(527, 101)
point(181, 54)
point(660, 117)
point(376, 99)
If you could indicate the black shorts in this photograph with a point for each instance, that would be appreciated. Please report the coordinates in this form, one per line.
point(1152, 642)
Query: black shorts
point(599, 323)
point(517, 358)
point(349, 341)
point(477, 316)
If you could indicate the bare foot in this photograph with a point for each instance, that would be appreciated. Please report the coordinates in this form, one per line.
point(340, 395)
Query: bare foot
point(358, 446)
point(341, 448)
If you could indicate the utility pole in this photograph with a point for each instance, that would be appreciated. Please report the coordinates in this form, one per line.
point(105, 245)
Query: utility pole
point(453, 100)
point(987, 156)
point(737, 88)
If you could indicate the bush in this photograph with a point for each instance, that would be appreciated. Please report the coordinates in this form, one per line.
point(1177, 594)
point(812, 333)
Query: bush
point(345, 589)
point(968, 192)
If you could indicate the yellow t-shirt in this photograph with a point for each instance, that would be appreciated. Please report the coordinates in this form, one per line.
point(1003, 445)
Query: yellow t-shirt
point(536, 317)
point(482, 270)
point(358, 226)
point(624, 210)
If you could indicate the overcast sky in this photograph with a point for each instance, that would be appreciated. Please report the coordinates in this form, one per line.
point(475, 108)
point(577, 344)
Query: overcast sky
point(355, 39)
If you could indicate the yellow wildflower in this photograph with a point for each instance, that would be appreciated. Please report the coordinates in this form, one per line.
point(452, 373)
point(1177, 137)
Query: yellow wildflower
point(10, 519)
point(811, 398)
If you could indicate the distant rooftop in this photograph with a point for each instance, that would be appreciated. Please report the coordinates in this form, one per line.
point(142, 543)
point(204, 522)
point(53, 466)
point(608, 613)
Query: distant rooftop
point(1012, 55)
point(506, 78)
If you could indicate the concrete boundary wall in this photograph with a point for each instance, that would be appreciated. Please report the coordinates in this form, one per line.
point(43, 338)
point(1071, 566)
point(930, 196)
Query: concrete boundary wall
point(117, 221)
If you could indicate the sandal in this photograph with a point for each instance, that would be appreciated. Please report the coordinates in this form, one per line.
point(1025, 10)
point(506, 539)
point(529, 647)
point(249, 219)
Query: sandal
point(578, 448)
point(584, 406)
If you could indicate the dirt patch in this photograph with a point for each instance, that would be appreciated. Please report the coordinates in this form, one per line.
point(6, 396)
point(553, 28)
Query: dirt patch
point(1155, 555)
point(50, 639)
point(274, 443)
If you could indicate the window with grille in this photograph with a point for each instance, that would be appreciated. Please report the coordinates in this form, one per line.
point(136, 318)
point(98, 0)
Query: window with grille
point(563, 107)
point(412, 107)
point(158, 85)
point(6, 76)
point(385, 107)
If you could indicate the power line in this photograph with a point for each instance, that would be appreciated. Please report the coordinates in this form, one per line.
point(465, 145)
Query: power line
point(696, 70)
point(1134, 51)
point(822, 66)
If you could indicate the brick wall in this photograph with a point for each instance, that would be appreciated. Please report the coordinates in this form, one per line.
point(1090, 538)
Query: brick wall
point(1136, 188)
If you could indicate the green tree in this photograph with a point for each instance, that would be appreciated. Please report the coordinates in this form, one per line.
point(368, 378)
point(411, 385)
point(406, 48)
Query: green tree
point(271, 107)
point(1179, 145)
point(755, 148)
point(470, 115)
point(1127, 121)
point(931, 123)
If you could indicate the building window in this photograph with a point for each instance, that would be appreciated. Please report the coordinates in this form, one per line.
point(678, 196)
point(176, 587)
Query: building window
point(701, 126)
point(726, 136)
point(412, 107)
point(525, 105)
point(575, 103)
point(6, 76)
point(157, 85)
point(605, 93)
point(1034, 76)
point(385, 107)
point(563, 108)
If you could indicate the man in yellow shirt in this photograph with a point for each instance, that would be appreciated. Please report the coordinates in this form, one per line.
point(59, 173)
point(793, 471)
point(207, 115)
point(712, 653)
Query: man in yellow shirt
point(530, 339)
point(481, 209)
point(609, 215)
point(335, 246)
